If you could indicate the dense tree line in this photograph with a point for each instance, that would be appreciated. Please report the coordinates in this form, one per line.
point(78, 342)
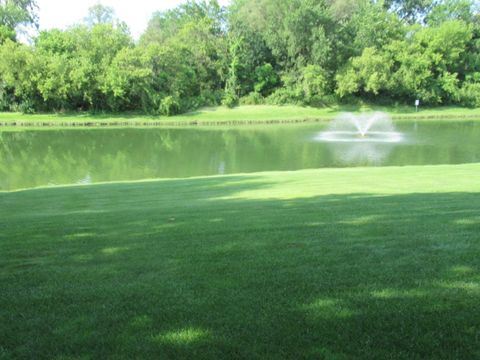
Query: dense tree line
point(312, 52)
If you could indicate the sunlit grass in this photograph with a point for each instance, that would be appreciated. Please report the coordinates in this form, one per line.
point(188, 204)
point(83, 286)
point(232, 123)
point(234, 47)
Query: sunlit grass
point(114, 250)
point(328, 308)
point(360, 263)
point(394, 293)
point(182, 337)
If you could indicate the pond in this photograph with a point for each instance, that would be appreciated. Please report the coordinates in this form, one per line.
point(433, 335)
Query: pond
point(71, 156)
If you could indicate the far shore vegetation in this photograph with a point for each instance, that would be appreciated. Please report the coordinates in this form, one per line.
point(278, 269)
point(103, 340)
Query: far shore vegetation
point(318, 53)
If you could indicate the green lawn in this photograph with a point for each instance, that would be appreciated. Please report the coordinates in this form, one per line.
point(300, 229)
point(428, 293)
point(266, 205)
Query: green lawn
point(223, 115)
point(361, 263)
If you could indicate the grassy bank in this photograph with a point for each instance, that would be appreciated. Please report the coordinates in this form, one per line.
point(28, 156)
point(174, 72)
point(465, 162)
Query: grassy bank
point(222, 115)
point(323, 264)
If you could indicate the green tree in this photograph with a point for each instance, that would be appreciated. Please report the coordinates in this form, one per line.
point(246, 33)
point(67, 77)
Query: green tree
point(100, 14)
point(18, 75)
point(431, 64)
point(369, 73)
point(231, 96)
point(128, 80)
point(265, 79)
point(452, 10)
point(18, 12)
point(6, 33)
point(428, 65)
point(167, 24)
point(410, 10)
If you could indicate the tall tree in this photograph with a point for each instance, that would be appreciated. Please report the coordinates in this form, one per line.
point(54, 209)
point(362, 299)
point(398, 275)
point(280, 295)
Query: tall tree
point(444, 10)
point(15, 14)
point(100, 14)
point(410, 10)
point(164, 25)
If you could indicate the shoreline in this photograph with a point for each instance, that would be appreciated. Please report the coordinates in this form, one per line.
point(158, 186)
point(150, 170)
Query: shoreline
point(220, 116)
point(200, 123)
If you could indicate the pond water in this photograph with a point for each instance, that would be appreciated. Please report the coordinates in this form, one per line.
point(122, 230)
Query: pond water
point(51, 157)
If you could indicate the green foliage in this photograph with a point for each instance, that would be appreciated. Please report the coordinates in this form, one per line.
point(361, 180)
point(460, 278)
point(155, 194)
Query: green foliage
point(100, 14)
point(469, 94)
point(428, 65)
point(253, 98)
point(313, 84)
point(14, 13)
point(128, 80)
point(18, 73)
point(230, 99)
point(295, 31)
point(25, 107)
point(166, 25)
point(371, 26)
point(6, 33)
point(274, 51)
point(370, 73)
point(283, 96)
point(169, 105)
point(410, 10)
point(265, 79)
point(452, 10)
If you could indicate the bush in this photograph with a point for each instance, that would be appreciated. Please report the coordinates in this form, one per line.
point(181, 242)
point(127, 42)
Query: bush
point(265, 79)
point(254, 98)
point(169, 106)
point(6, 99)
point(230, 100)
point(469, 94)
point(321, 101)
point(210, 97)
point(284, 96)
point(25, 107)
point(313, 84)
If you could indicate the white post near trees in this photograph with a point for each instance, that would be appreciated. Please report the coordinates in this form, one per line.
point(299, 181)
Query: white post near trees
point(417, 103)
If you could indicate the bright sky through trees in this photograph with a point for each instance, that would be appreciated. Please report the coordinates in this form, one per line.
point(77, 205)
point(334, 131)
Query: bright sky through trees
point(61, 13)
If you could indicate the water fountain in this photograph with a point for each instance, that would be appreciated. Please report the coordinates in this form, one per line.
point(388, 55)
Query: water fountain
point(361, 139)
point(376, 127)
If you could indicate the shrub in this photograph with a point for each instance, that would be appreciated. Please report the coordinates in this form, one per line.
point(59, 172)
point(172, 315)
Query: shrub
point(254, 98)
point(265, 79)
point(284, 96)
point(230, 99)
point(313, 85)
point(25, 107)
point(469, 94)
point(6, 99)
point(210, 98)
point(169, 106)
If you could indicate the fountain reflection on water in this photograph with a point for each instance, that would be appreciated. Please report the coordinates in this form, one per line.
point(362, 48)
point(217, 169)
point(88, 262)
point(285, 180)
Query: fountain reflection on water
point(361, 139)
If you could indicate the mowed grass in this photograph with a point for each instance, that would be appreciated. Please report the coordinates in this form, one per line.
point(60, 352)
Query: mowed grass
point(361, 263)
point(240, 114)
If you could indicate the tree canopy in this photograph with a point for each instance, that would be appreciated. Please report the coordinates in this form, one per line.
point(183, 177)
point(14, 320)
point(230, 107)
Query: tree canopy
point(15, 14)
point(312, 52)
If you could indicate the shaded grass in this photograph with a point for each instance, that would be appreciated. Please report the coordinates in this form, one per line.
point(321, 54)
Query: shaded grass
point(241, 114)
point(368, 263)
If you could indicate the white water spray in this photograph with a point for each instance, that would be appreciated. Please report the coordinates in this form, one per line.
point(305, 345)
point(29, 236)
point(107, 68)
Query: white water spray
point(361, 139)
point(376, 127)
